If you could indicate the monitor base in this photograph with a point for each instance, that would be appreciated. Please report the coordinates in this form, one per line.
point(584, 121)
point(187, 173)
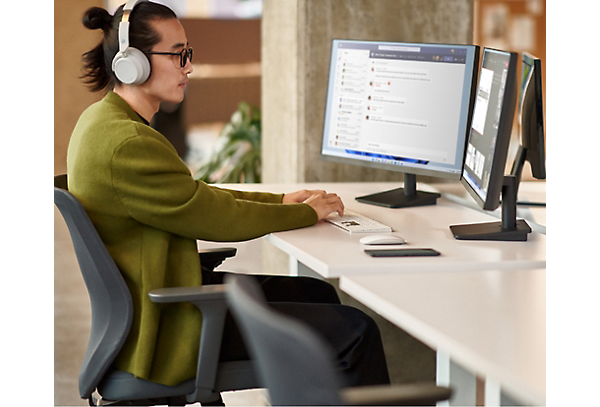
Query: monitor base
point(491, 231)
point(402, 197)
point(396, 198)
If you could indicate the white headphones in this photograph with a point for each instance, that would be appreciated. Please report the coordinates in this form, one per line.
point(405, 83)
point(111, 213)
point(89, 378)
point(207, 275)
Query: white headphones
point(130, 65)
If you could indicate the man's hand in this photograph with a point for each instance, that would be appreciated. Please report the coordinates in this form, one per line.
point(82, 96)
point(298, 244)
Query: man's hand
point(300, 196)
point(322, 202)
point(325, 203)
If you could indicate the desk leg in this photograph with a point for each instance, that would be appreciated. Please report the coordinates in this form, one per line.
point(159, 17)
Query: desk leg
point(462, 382)
point(442, 372)
point(492, 392)
point(294, 266)
point(298, 269)
point(494, 396)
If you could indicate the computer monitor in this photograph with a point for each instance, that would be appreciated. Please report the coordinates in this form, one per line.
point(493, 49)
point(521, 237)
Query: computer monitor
point(400, 106)
point(487, 148)
point(531, 122)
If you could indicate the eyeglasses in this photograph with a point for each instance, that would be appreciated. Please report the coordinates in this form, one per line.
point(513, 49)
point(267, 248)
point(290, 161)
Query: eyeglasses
point(184, 55)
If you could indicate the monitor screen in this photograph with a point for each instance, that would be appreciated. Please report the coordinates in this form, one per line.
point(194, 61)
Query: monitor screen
point(491, 127)
point(399, 106)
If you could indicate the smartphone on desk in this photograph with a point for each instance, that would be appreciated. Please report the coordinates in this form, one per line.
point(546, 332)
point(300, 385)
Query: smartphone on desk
point(404, 252)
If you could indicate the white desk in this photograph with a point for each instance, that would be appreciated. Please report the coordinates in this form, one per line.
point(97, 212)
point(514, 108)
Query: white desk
point(332, 252)
point(491, 322)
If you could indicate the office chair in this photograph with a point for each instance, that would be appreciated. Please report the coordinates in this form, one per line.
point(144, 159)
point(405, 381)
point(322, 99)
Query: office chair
point(297, 366)
point(112, 315)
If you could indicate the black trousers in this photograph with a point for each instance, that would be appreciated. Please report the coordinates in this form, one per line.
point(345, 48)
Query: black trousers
point(353, 335)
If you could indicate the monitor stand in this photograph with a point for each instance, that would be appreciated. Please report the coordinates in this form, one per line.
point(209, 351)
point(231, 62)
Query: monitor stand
point(402, 197)
point(509, 229)
point(517, 171)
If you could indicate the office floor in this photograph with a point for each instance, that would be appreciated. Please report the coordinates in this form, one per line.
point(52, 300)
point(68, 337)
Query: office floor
point(408, 359)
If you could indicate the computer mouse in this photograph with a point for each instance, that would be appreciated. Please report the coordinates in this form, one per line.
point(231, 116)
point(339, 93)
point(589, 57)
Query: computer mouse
point(382, 239)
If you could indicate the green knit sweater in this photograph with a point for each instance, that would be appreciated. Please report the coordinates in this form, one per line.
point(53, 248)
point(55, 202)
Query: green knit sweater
point(149, 212)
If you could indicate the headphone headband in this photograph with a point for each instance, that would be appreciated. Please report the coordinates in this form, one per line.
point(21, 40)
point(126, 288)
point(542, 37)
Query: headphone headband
point(124, 24)
point(130, 65)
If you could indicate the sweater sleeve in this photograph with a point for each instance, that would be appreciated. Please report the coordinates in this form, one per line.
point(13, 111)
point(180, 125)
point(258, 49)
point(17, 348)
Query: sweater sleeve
point(252, 196)
point(156, 188)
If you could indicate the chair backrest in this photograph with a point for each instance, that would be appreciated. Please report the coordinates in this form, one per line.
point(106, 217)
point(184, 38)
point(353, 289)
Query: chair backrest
point(294, 363)
point(111, 302)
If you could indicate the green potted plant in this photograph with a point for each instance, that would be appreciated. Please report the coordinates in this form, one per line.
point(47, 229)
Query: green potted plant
point(236, 155)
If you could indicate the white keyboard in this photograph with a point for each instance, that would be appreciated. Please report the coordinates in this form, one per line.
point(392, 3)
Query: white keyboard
point(353, 222)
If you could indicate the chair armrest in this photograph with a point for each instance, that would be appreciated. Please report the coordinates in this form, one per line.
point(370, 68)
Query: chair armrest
point(195, 294)
point(417, 394)
point(210, 300)
point(212, 258)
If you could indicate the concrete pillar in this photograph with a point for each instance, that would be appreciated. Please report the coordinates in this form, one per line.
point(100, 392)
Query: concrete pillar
point(296, 41)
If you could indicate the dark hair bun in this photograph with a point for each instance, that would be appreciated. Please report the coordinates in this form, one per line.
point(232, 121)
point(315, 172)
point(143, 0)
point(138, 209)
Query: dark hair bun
point(97, 18)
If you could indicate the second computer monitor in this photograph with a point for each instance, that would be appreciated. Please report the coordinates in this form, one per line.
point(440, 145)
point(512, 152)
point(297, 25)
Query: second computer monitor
point(483, 174)
point(400, 106)
point(531, 120)
point(487, 148)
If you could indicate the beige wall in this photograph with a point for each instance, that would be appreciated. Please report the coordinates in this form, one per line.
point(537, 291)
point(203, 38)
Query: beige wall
point(71, 97)
point(296, 37)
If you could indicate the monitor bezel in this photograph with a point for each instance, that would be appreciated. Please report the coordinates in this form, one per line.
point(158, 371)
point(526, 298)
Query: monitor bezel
point(534, 143)
point(403, 168)
point(509, 103)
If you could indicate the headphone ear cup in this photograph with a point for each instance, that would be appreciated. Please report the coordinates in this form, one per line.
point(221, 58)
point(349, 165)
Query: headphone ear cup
point(131, 67)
